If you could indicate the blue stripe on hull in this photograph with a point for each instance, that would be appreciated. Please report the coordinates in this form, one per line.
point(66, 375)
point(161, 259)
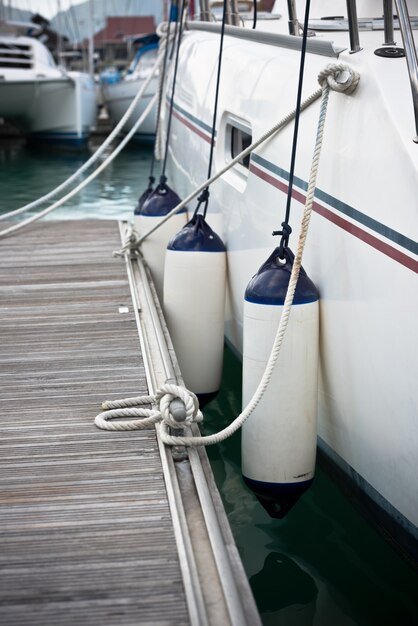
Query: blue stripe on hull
point(342, 207)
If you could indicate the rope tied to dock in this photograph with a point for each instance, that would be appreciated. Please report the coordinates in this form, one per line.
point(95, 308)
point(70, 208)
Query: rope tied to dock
point(343, 79)
point(163, 411)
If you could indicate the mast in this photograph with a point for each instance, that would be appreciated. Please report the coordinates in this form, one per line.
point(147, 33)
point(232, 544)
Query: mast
point(59, 32)
point(91, 40)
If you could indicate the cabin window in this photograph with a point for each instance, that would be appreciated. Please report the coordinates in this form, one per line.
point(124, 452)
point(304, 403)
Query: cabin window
point(235, 135)
point(15, 56)
point(240, 140)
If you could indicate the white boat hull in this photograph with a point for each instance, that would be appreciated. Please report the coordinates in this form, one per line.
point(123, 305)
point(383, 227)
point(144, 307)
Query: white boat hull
point(57, 110)
point(361, 249)
point(117, 98)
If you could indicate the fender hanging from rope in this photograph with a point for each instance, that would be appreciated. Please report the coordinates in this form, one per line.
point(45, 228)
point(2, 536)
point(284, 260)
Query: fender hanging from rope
point(279, 438)
point(163, 199)
point(329, 79)
point(194, 305)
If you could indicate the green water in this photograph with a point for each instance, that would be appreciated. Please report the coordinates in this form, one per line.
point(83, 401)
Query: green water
point(323, 565)
point(27, 173)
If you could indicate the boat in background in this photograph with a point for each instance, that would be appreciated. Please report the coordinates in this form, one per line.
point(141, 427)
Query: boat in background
point(362, 246)
point(46, 102)
point(119, 90)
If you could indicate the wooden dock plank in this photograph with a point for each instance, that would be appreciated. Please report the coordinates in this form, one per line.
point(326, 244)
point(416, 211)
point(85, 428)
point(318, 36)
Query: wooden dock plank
point(86, 533)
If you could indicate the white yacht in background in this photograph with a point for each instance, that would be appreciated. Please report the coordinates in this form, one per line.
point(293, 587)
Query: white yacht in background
point(45, 101)
point(119, 91)
point(362, 246)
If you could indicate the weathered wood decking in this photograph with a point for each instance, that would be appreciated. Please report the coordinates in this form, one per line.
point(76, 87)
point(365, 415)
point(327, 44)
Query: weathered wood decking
point(85, 528)
point(98, 528)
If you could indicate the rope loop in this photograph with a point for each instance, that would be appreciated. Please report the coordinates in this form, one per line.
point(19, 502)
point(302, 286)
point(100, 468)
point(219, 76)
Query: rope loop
point(130, 244)
point(161, 411)
point(339, 77)
point(148, 417)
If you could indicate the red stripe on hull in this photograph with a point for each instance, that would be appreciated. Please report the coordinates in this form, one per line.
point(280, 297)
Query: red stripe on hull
point(191, 126)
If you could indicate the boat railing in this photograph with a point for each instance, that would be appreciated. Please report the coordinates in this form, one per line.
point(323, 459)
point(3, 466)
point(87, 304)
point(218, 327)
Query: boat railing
point(404, 21)
point(411, 55)
point(405, 26)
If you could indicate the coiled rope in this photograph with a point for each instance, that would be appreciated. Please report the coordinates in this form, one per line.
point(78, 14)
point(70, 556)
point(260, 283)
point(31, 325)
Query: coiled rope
point(165, 40)
point(327, 80)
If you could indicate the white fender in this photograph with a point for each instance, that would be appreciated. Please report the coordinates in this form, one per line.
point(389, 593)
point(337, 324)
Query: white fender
point(279, 437)
point(194, 305)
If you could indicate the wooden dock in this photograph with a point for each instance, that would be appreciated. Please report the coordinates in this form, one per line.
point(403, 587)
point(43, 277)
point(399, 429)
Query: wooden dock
point(97, 528)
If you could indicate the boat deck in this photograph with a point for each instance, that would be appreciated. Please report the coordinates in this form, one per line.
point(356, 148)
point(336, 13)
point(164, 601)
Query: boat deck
point(97, 527)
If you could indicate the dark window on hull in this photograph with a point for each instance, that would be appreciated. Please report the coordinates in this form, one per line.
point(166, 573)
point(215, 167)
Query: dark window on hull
point(240, 140)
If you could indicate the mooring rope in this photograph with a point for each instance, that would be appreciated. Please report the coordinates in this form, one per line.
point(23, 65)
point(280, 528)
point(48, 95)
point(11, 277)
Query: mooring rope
point(165, 39)
point(328, 80)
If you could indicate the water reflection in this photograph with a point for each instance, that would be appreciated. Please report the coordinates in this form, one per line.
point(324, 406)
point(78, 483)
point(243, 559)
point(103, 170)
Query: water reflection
point(284, 584)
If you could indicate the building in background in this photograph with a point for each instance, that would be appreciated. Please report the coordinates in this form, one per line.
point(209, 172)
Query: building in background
point(113, 44)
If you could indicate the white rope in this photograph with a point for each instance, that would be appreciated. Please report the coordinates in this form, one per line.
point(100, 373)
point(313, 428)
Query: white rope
point(86, 181)
point(131, 407)
point(327, 78)
point(158, 145)
point(107, 141)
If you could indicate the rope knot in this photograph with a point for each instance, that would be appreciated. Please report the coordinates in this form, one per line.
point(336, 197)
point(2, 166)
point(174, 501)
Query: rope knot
point(204, 196)
point(163, 409)
point(131, 242)
point(339, 77)
point(186, 412)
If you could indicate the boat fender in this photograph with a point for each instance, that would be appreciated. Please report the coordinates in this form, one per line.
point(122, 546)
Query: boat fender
point(158, 204)
point(279, 437)
point(194, 305)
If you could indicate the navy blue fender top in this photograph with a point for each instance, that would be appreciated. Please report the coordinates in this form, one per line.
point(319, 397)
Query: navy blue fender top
point(160, 202)
point(270, 284)
point(196, 236)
